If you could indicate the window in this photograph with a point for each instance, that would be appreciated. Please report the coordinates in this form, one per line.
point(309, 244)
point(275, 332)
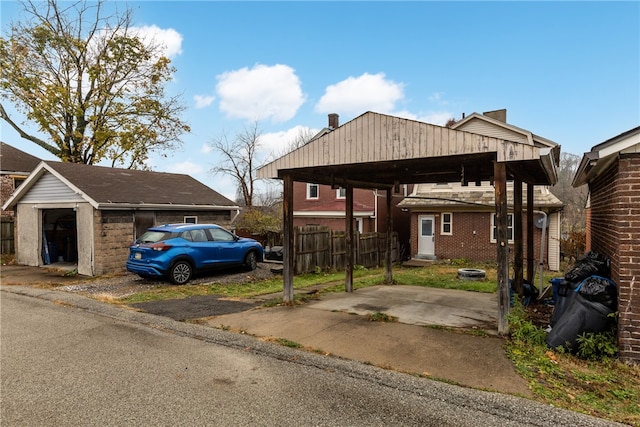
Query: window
point(341, 193)
point(191, 219)
point(401, 189)
point(17, 181)
point(494, 230)
point(446, 223)
point(195, 236)
point(312, 191)
point(220, 235)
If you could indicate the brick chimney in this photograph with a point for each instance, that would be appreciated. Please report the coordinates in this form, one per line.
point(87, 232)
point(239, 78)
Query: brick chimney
point(333, 121)
point(497, 114)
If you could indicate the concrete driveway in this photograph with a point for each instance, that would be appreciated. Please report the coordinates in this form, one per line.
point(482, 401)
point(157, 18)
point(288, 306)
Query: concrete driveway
point(415, 305)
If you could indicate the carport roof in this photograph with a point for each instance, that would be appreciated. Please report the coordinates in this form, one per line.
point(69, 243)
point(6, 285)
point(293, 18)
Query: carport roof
point(379, 151)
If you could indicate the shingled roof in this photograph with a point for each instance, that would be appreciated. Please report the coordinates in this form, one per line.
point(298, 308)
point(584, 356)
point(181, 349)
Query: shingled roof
point(106, 187)
point(14, 161)
point(483, 196)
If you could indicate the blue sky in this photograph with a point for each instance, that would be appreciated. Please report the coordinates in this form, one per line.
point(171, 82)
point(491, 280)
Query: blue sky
point(567, 71)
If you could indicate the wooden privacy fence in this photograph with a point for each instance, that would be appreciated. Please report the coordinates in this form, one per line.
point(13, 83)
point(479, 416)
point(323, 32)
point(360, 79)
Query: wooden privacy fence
point(6, 236)
point(320, 247)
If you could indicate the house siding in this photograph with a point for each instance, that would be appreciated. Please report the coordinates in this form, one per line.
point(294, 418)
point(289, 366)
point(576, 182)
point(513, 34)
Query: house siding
point(615, 231)
point(49, 189)
point(488, 129)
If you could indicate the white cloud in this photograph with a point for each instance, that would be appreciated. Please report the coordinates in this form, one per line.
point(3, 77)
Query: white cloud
point(355, 95)
point(186, 167)
point(225, 185)
point(203, 101)
point(275, 144)
point(262, 92)
point(169, 39)
point(439, 118)
point(206, 149)
point(437, 98)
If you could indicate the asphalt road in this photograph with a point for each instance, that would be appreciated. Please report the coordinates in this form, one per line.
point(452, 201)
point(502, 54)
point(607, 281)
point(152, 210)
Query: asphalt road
point(69, 360)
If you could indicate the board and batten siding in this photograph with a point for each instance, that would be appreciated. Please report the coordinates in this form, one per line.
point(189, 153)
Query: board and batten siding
point(49, 189)
point(375, 137)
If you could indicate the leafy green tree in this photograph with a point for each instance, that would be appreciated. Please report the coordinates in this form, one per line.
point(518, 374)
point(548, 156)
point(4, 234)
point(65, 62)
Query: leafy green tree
point(90, 83)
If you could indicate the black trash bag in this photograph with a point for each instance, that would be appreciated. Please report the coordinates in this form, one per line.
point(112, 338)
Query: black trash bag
point(565, 296)
point(599, 289)
point(529, 292)
point(582, 316)
point(593, 264)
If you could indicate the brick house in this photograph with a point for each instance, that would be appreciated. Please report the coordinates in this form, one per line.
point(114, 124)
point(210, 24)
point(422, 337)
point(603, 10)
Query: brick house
point(89, 215)
point(452, 221)
point(15, 167)
point(434, 206)
point(612, 172)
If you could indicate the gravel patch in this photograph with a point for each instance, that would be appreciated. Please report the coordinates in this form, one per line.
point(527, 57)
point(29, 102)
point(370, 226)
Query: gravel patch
point(127, 284)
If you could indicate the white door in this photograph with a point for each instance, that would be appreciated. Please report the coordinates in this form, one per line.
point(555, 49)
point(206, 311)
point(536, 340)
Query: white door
point(426, 235)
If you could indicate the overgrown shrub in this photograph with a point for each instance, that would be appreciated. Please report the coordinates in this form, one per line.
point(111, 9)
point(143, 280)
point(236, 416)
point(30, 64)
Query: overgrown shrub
point(523, 330)
point(596, 346)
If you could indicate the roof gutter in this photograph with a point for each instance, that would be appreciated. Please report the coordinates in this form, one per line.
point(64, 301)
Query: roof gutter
point(156, 206)
point(547, 158)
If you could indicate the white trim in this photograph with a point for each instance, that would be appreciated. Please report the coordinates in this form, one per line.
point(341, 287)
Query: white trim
point(186, 217)
point(493, 227)
point(338, 196)
point(450, 232)
point(309, 184)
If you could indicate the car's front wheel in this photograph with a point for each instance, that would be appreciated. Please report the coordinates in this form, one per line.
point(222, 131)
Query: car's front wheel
point(251, 261)
point(180, 273)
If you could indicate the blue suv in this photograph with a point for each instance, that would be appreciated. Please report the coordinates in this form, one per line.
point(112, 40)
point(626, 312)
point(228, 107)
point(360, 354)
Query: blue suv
point(177, 251)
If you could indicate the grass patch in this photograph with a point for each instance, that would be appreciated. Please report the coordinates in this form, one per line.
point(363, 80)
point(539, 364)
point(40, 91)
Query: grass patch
point(604, 388)
point(287, 343)
point(381, 317)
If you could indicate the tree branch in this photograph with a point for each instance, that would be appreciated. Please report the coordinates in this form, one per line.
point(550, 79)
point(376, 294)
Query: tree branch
point(23, 134)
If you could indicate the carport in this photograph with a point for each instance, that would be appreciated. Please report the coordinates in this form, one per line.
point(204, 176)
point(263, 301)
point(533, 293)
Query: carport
point(377, 151)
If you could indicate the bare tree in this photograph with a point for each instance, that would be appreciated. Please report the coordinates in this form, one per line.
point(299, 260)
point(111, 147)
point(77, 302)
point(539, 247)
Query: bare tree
point(575, 199)
point(238, 160)
point(90, 83)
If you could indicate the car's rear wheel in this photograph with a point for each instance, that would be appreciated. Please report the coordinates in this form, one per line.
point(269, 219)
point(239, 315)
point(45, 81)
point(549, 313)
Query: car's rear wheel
point(251, 261)
point(181, 272)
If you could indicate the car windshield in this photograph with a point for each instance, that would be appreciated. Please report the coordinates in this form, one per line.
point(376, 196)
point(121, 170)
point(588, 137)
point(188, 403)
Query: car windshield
point(152, 236)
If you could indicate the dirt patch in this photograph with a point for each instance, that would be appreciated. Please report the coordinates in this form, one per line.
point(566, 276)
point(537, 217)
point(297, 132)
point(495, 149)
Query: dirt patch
point(195, 307)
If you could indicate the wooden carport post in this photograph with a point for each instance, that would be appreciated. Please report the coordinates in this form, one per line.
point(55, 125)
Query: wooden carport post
point(387, 255)
point(500, 180)
point(288, 244)
point(517, 238)
point(530, 255)
point(348, 279)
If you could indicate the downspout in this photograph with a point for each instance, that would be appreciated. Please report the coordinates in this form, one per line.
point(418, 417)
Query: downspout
point(542, 244)
point(375, 210)
point(236, 216)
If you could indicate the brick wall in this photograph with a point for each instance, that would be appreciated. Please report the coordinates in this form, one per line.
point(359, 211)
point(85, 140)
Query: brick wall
point(6, 188)
point(615, 233)
point(113, 233)
point(470, 238)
